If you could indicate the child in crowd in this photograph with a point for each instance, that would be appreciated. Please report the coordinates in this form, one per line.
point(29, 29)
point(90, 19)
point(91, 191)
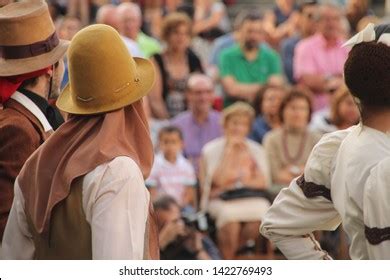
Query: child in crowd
point(172, 174)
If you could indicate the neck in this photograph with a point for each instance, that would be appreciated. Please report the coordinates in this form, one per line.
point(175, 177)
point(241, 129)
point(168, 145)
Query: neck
point(379, 121)
point(171, 158)
point(175, 54)
point(272, 120)
point(40, 89)
point(331, 41)
point(200, 116)
point(295, 130)
point(250, 54)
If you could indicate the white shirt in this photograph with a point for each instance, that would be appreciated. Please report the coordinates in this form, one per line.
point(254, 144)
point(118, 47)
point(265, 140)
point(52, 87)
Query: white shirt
point(133, 47)
point(292, 218)
point(172, 178)
point(361, 152)
point(30, 106)
point(349, 164)
point(116, 205)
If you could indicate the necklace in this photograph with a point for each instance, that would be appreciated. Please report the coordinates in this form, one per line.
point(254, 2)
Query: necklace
point(297, 157)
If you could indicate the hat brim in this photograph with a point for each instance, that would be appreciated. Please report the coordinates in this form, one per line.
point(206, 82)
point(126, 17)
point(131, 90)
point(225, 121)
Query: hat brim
point(146, 75)
point(13, 67)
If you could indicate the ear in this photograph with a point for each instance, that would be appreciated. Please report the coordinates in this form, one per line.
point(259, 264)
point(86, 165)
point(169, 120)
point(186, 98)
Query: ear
point(50, 72)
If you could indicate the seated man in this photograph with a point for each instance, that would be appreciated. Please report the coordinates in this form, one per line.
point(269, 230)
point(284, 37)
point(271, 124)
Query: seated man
point(245, 67)
point(178, 238)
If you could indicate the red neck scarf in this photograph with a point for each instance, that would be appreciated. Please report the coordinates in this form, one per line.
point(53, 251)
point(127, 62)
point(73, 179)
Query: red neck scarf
point(8, 85)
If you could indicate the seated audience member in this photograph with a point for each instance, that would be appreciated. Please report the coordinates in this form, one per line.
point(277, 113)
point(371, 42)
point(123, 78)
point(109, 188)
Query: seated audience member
point(66, 28)
point(210, 19)
point(108, 14)
point(173, 67)
point(319, 59)
point(180, 239)
point(357, 10)
point(289, 147)
point(281, 22)
point(234, 174)
point(171, 173)
point(226, 41)
point(247, 66)
point(200, 124)
point(266, 106)
point(79, 8)
point(130, 22)
point(306, 28)
point(343, 113)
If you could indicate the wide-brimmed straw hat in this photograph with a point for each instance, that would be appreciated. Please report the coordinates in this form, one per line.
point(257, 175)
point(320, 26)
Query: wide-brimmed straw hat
point(103, 76)
point(28, 41)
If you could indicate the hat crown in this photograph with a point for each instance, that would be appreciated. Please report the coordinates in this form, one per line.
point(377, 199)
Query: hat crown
point(101, 69)
point(16, 20)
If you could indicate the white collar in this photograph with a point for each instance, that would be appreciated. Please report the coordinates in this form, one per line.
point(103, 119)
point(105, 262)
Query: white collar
point(29, 105)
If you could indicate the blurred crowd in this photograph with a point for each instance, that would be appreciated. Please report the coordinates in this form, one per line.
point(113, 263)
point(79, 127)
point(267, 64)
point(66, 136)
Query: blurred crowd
point(239, 102)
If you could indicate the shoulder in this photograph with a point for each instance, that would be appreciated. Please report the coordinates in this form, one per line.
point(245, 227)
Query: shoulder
point(181, 119)
point(118, 169)
point(273, 135)
point(231, 52)
point(254, 146)
point(185, 163)
point(212, 145)
point(13, 123)
point(268, 51)
point(318, 166)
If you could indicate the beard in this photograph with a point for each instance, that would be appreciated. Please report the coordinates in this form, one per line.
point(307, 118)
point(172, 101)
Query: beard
point(251, 45)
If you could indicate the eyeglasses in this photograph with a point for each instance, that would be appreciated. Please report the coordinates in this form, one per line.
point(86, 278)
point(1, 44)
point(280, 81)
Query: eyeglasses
point(309, 15)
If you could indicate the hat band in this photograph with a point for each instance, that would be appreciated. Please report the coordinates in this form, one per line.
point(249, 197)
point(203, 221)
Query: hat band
point(26, 51)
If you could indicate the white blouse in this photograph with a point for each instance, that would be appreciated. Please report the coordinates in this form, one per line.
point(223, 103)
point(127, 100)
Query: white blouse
point(114, 198)
point(339, 178)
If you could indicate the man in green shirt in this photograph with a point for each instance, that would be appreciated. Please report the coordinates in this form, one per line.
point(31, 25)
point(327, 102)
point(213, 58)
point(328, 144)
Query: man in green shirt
point(245, 67)
point(130, 18)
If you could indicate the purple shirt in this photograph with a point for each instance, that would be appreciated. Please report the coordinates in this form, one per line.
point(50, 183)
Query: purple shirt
point(312, 56)
point(197, 135)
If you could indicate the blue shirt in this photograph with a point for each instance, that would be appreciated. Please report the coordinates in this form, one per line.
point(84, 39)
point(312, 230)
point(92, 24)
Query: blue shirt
point(259, 129)
point(287, 53)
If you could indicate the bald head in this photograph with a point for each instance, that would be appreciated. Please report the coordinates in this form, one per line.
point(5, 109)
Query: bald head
point(108, 14)
point(130, 18)
point(200, 93)
point(198, 79)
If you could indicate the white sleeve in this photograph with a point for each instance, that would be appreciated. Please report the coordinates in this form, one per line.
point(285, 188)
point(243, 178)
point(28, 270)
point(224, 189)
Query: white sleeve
point(306, 205)
point(17, 240)
point(293, 217)
point(116, 204)
point(376, 209)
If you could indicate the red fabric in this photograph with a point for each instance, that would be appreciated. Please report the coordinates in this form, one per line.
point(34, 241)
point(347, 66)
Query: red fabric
point(8, 85)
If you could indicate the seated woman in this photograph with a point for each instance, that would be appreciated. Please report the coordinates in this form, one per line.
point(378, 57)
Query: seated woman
point(281, 22)
point(288, 147)
point(343, 113)
point(173, 67)
point(233, 162)
point(267, 105)
point(210, 19)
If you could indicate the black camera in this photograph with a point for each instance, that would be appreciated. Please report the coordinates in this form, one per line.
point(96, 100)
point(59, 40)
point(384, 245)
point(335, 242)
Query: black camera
point(196, 221)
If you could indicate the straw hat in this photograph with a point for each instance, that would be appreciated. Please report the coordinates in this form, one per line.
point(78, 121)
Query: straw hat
point(28, 41)
point(103, 76)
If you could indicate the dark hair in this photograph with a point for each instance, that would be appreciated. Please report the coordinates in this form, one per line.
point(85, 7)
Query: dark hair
point(29, 83)
point(307, 3)
point(172, 21)
point(164, 203)
point(170, 129)
point(295, 93)
point(252, 15)
point(367, 74)
point(257, 103)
